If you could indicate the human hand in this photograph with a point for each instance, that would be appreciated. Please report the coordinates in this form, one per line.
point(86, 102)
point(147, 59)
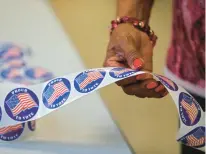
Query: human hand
point(130, 48)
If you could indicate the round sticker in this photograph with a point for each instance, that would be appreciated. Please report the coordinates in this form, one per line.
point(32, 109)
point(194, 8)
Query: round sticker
point(56, 93)
point(121, 72)
point(10, 51)
point(190, 111)
point(38, 73)
point(168, 83)
point(21, 104)
point(87, 81)
point(12, 74)
point(11, 133)
point(32, 125)
point(195, 138)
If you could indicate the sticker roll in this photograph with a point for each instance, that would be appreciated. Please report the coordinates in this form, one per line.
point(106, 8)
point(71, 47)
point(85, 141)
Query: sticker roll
point(22, 104)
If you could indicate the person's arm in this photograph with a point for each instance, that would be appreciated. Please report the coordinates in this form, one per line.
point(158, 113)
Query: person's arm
point(140, 9)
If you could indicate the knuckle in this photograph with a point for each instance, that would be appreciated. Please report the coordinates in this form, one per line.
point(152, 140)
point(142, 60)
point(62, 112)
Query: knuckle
point(127, 91)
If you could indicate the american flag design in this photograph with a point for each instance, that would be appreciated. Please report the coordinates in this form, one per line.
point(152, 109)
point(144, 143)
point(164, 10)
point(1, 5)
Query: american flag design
point(190, 109)
point(6, 130)
point(15, 63)
point(55, 91)
point(168, 83)
point(12, 52)
point(196, 139)
point(87, 78)
point(122, 71)
point(38, 73)
point(20, 102)
point(11, 73)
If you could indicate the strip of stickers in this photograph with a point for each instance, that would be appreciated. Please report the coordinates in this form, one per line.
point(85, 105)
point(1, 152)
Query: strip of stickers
point(24, 100)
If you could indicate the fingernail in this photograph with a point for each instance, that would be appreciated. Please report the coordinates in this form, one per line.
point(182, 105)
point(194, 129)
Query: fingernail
point(138, 63)
point(151, 85)
point(159, 88)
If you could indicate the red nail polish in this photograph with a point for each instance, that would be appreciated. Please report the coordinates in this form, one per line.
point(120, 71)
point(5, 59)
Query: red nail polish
point(151, 85)
point(159, 88)
point(138, 63)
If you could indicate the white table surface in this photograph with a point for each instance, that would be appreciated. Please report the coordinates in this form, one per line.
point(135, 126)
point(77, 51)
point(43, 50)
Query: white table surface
point(82, 127)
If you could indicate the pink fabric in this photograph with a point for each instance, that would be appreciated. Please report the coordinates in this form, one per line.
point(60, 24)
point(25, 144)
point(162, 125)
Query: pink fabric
point(186, 55)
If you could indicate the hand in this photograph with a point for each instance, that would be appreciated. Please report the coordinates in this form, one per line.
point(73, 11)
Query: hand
point(131, 48)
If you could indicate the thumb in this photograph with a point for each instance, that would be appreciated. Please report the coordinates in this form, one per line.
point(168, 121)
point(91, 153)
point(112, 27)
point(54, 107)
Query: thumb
point(134, 60)
point(132, 52)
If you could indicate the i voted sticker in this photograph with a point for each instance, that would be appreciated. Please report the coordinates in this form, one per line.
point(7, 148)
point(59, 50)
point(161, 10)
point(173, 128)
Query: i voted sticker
point(38, 73)
point(56, 93)
point(11, 133)
point(195, 138)
point(88, 81)
point(11, 74)
point(167, 82)
point(189, 109)
point(10, 51)
point(21, 104)
point(121, 72)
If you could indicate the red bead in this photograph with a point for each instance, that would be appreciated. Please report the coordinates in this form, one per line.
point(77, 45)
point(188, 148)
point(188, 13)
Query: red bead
point(124, 19)
point(135, 23)
point(114, 22)
point(114, 25)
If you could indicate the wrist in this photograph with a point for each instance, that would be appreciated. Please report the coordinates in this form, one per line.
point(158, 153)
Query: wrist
point(137, 24)
point(139, 9)
point(127, 8)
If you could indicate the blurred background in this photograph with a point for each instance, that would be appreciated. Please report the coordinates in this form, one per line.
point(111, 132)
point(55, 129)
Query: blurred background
point(150, 125)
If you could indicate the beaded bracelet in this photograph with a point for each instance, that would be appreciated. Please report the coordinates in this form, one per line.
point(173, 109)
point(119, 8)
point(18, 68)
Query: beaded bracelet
point(137, 24)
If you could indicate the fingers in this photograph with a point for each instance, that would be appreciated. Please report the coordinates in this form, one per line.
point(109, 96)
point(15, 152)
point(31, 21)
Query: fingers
point(159, 88)
point(145, 89)
point(127, 81)
point(135, 79)
point(112, 60)
point(144, 76)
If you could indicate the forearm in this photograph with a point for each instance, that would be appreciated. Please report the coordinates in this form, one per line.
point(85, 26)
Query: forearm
point(140, 9)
